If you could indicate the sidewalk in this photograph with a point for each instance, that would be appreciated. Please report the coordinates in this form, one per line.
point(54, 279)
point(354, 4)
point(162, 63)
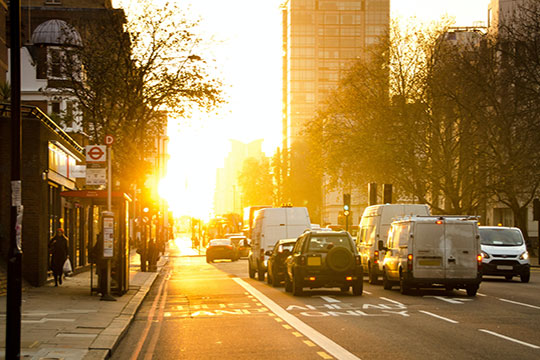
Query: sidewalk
point(66, 322)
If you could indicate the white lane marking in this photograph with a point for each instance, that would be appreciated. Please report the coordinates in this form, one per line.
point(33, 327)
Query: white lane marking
point(510, 339)
point(329, 299)
point(519, 303)
point(367, 292)
point(392, 301)
point(478, 294)
point(439, 317)
point(449, 300)
point(328, 345)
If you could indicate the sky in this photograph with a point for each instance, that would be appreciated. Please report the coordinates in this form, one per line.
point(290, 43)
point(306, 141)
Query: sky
point(246, 44)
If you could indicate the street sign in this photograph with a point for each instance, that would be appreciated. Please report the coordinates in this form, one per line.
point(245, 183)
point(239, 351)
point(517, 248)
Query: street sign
point(109, 139)
point(96, 153)
point(96, 176)
point(108, 234)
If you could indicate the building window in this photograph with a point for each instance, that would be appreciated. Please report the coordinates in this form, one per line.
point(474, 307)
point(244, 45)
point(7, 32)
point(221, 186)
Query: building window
point(54, 60)
point(55, 108)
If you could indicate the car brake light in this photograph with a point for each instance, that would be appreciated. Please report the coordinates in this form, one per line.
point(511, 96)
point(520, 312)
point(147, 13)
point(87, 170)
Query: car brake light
point(410, 262)
point(348, 278)
point(376, 257)
point(438, 222)
point(479, 261)
point(312, 278)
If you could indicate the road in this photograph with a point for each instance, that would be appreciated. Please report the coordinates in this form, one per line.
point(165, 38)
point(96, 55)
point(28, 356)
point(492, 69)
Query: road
point(215, 311)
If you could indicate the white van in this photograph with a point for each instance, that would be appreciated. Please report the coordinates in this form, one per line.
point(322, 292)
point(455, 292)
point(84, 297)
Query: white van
point(423, 251)
point(374, 226)
point(269, 226)
point(504, 253)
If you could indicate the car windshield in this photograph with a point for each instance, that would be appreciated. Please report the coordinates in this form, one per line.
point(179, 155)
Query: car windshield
point(501, 237)
point(220, 242)
point(323, 243)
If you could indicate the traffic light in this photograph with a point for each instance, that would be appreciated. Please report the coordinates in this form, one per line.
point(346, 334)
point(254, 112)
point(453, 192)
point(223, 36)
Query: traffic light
point(346, 204)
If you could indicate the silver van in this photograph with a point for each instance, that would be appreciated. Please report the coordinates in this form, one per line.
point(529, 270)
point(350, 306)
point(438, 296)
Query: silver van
point(374, 226)
point(423, 251)
point(504, 253)
point(269, 226)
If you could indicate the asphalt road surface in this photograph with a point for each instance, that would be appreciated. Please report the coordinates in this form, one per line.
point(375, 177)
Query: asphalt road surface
point(215, 311)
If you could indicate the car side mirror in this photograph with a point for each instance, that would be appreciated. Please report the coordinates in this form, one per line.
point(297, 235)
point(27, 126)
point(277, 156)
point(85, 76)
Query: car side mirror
point(268, 253)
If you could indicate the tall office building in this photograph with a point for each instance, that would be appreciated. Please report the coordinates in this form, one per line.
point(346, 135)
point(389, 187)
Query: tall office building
point(321, 39)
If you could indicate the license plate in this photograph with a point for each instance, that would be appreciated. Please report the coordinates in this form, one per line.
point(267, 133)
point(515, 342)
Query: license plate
point(314, 261)
point(505, 267)
point(429, 262)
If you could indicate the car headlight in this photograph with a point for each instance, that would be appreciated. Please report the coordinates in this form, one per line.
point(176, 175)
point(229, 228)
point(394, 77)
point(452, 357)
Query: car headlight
point(485, 255)
point(524, 256)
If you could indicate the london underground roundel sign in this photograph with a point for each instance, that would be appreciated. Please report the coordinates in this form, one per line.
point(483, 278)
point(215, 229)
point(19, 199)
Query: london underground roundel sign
point(96, 153)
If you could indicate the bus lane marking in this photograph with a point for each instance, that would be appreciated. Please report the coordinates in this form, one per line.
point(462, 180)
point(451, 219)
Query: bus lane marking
point(450, 300)
point(316, 337)
point(510, 339)
point(349, 309)
point(329, 299)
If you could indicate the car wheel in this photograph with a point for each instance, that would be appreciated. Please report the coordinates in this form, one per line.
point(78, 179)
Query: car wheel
point(269, 279)
point(297, 287)
point(358, 287)
point(372, 276)
point(260, 273)
point(208, 260)
point(508, 277)
point(387, 285)
point(404, 288)
point(251, 270)
point(275, 281)
point(471, 290)
point(525, 277)
point(288, 284)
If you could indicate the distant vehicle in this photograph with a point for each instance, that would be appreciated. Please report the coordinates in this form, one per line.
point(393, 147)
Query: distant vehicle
point(423, 251)
point(221, 249)
point(324, 259)
point(249, 217)
point(241, 243)
point(276, 261)
point(374, 226)
point(269, 226)
point(504, 253)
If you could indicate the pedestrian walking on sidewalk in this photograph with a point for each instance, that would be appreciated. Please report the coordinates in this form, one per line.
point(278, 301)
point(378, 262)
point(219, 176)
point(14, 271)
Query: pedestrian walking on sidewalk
point(58, 249)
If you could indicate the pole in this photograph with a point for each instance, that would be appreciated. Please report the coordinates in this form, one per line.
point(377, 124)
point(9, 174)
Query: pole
point(106, 295)
point(14, 284)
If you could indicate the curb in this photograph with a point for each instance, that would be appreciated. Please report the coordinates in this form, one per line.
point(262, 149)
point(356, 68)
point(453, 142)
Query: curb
point(105, 343)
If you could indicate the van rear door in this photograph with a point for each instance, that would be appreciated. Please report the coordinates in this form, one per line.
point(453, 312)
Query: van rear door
point(461, 250)
point(429, 250)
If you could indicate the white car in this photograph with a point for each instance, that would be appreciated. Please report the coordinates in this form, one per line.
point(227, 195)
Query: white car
point(504, 253)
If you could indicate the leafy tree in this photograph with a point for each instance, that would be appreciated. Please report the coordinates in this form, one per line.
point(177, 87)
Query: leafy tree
point(256, 182)
point(133, 75)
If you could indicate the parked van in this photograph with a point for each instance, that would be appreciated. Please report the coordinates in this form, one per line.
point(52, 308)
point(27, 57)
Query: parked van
point(374, 226)
point(423, 251)
point(269, 226)
point(504, 253)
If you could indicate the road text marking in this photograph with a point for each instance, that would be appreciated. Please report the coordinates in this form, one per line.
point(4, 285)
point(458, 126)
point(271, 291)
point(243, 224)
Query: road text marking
point(439, 317)
point(329, 299)
point(510, 339)
point(334, 349)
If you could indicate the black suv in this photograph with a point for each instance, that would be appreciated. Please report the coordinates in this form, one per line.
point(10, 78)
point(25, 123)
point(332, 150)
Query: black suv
point(324, 259)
